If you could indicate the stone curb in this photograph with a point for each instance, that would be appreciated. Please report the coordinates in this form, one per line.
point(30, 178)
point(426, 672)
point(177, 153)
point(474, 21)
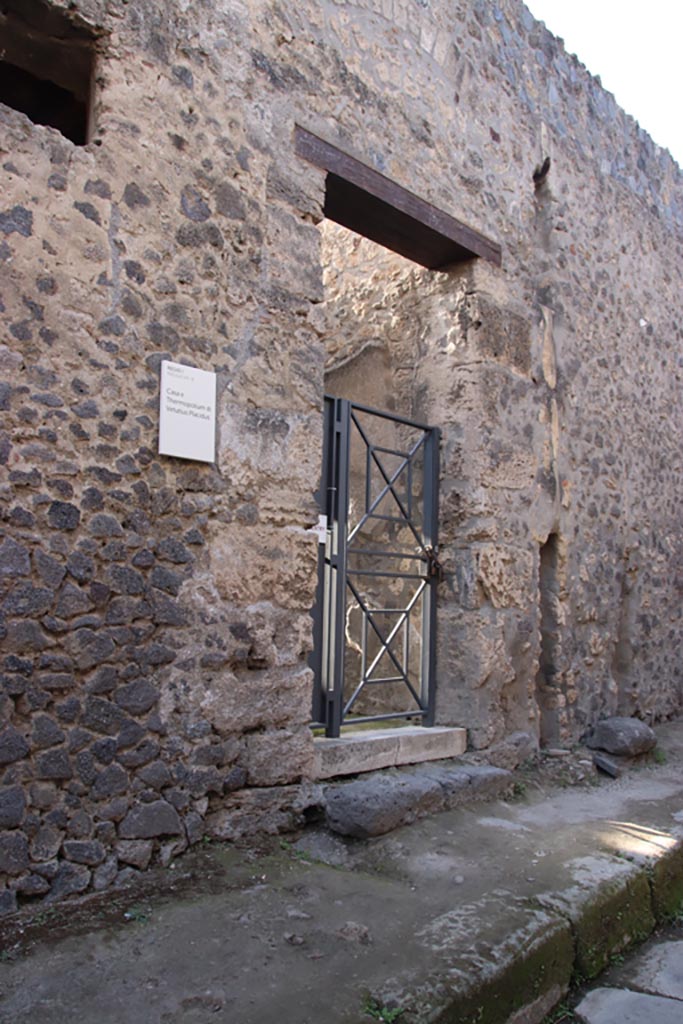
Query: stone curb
point(569, 937)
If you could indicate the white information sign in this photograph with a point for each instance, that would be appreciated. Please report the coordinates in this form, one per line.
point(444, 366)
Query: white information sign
point(187, 412)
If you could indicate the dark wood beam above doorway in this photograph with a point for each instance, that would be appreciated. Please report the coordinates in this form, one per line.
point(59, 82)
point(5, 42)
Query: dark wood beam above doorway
point(362, 199)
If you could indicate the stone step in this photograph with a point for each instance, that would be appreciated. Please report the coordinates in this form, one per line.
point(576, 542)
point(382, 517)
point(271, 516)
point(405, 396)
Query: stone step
point(381, 801)
point(369, 750)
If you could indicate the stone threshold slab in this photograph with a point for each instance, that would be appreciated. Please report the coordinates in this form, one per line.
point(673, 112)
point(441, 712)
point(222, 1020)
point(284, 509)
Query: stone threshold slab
point(370, 750)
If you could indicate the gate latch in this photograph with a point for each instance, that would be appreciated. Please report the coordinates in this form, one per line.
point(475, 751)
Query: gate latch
point(434, 566)
point(320, 530)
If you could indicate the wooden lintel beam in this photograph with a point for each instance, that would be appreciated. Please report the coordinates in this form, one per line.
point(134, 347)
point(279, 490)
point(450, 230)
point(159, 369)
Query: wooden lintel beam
point(366, 201)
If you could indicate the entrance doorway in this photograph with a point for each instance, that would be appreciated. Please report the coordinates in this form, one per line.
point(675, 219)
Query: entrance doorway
point(374, 621)
point(376, 613)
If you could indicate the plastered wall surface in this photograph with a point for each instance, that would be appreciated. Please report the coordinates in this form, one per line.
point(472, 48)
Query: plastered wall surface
point(155, 613)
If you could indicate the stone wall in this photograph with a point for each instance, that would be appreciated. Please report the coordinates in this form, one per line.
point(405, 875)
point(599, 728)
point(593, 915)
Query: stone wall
point(154, 613)
point(559, 420)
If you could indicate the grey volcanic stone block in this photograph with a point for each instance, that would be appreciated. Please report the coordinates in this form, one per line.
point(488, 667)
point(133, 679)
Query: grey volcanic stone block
point(137, 697)
point(111, 781)
point(84, 851)
point(149, 820)
point(465, 783)
point(13, 746)
point(54, 764)
point(46, 733)
point(377, 804)
point(12, 806)
point(8, 902)
point(46, 843)
point(136, 852)
point(70, 879)
point(626, 736)
point(380, 802)
point(14, 559)
point(63, 516)
point(13, 853)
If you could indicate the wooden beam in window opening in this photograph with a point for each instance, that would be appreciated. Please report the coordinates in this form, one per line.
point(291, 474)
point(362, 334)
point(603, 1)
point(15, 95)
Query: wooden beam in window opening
point(362, 199)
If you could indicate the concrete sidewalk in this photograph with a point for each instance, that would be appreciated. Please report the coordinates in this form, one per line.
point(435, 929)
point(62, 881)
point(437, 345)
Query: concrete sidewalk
point(480, 915)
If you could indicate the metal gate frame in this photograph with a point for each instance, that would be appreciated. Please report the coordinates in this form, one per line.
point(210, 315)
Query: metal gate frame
point(335, 576)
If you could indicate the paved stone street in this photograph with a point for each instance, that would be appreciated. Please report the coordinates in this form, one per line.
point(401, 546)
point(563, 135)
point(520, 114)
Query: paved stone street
point(482, 914)
point(648, 987)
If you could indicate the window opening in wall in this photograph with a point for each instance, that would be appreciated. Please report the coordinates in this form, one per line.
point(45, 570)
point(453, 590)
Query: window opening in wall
point(547, 681)
point(46, 66)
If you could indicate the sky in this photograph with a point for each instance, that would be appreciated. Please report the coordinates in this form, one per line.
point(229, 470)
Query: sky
point(635, 47)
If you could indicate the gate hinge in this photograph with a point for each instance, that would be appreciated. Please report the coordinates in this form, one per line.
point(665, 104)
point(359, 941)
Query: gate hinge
point(434, 566)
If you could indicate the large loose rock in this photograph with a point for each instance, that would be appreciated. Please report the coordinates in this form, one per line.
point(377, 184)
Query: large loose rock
point(149, 820)
point(625, 736)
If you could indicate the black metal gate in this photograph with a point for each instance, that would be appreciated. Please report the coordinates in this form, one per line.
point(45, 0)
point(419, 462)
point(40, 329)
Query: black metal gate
point(375, 613)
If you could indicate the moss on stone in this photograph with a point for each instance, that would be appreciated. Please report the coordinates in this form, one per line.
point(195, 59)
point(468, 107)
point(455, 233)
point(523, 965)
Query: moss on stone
point(544, 966)
point(619, 916)
point(667, 884)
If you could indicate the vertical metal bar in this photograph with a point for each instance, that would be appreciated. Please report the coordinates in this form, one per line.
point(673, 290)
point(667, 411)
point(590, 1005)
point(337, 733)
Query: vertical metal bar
point(406, 642)
point(364, 646)
point(431, 528)
point(330, 563)
point(335, 693)
point(318, 657)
